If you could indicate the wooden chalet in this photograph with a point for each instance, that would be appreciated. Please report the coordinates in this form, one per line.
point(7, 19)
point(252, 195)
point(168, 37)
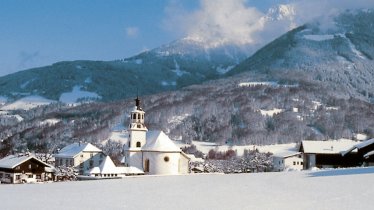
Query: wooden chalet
point(24, 168)
point(364, 151)
point(328, 154)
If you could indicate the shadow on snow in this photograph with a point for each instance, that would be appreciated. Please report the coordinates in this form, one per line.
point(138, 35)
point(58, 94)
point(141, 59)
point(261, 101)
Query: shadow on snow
point(340, 172)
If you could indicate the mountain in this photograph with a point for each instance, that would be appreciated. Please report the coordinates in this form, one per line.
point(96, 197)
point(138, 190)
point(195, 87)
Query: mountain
point(340, 54)
point(169, 67)
point(313, 82)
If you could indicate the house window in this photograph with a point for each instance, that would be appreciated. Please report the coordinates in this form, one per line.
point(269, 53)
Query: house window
point(138, 126)
point(7, 175)
point(18, 167)
point(166, 159)
point(301, 163)
point(294, 163)
point(38, 176)
point(1, 175)
point(18, 177)
point(29, 166)
point(30, 176)
point(138, 144)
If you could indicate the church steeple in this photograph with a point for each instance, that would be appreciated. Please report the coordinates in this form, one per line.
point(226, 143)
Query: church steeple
point(137, 103)
point(137, 128)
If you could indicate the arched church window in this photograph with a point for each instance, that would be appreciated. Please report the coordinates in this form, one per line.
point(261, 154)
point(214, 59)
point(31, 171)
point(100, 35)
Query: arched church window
point(166, 159)
point(138, 144)
point(139, 116)
point(134, 116)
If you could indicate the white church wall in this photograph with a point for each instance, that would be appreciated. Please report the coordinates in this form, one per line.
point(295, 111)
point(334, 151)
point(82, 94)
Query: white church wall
point(162, 162)
point(183, 165)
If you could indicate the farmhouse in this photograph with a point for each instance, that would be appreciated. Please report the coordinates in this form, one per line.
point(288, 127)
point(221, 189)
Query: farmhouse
point(24, 168)
point(328, 154)
point(287, 161)
point(152, 151)
point(365, 152)
point(81, 156)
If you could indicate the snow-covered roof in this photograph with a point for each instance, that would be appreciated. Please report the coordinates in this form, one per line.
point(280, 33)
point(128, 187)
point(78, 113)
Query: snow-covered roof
point(108, 167)
point(359, 146)
point(12, 161)
point(327, 147)
point(367, 155)
point(159, 141)
point(286, 154)
point(74, 149)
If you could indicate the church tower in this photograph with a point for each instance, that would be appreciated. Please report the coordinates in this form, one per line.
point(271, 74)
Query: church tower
point(137, 137)
point(137, 129)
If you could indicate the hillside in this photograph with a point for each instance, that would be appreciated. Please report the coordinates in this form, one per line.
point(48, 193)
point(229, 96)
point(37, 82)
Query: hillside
point(340, 55)
point(169, 67)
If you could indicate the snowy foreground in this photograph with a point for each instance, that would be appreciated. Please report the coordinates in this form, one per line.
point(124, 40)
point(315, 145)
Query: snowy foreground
point(330, 189)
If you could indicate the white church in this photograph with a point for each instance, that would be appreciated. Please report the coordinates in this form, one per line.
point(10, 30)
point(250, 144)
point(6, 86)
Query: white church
point(152, 151)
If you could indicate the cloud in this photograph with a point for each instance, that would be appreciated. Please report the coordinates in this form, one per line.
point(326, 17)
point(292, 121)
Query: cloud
point(132, 32)
point(217, 22)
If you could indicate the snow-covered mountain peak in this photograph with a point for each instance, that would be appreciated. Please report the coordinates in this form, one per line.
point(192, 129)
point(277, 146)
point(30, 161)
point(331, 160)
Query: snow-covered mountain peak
point(281, 12)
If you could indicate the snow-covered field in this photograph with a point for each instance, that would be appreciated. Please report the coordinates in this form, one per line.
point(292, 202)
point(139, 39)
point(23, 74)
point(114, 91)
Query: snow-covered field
point(334, 189)
point(27, 103)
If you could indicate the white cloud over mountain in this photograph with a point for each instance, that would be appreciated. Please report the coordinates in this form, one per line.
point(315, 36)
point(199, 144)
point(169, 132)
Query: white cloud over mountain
point(237, 21)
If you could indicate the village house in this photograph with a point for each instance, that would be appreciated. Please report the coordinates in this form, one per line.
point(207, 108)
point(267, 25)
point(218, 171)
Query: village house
point(152, 151)
point(364, 151)
point(24, 168)
point(288, 161)
point(328, 154)
point(107, 170)
point(81, 156)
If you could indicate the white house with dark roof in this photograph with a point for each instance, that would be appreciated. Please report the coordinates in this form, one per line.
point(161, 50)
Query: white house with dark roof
point(152, 151)
point(82, 156)
point(23, 168)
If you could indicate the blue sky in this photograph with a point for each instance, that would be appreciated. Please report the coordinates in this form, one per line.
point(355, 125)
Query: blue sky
point(40, 32)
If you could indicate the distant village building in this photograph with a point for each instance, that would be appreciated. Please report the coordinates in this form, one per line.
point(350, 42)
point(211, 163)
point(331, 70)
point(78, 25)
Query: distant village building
point(108, 170)
point(288, 161)
point(152, 151)
point(328, 154)
point(24, 168)
point(81, 156)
